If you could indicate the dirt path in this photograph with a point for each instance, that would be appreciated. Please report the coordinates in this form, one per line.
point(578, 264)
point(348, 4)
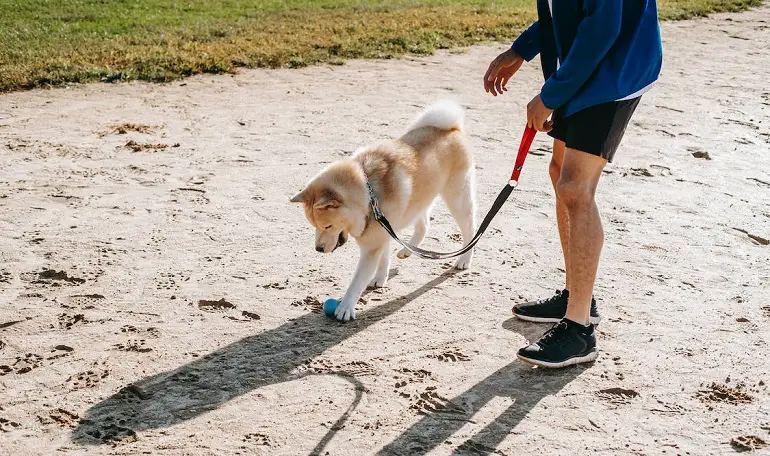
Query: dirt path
point(117, 249)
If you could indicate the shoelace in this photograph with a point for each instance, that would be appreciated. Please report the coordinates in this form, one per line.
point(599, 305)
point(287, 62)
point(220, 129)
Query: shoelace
point(556, 297)
point(551, 332)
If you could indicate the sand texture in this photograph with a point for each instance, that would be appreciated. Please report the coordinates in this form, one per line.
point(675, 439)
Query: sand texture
point(159, 295)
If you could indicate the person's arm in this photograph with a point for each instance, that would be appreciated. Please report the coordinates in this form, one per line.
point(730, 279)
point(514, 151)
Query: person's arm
point(527, 45)
point(596, 34)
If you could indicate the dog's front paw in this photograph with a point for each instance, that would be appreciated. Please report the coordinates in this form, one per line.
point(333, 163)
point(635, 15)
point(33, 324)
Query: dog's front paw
point(404, 253)
point(378, 281)
point(345, 311)
point(463, 263)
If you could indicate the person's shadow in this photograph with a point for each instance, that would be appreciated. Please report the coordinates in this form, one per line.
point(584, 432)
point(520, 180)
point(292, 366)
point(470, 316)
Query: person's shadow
point(274, 356)
point(524, 385)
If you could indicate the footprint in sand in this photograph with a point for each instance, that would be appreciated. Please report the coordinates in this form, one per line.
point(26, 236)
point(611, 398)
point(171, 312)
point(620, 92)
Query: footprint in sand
point(190, 195)
point(617, 396)
point(170, 281)
point(87, 301)
point(66, 321)
point(451, 356)
point(721, 392)
point(429, 402)
point(133, 345)
point(748, 443)
point(27, 363)
point(353, 368)
point(5, 277)
point(128, 127)
point(257, 439)
point(59, 417)
point(666, 408)
point(310, 303)
point(7, 425)
point(111, 431)
point(90, 378)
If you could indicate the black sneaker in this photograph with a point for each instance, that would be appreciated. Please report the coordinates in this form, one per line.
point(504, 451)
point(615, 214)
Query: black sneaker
point(565, 344)
point(551, 310)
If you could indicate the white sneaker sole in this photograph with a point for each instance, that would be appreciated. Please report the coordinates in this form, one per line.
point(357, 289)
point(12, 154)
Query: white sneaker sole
point(570, 362)
point(592, 320)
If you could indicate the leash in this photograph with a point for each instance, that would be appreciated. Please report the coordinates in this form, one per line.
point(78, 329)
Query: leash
point(502, 197)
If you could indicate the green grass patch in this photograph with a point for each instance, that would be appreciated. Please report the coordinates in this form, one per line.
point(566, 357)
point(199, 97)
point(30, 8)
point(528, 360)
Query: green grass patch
point(54, 42)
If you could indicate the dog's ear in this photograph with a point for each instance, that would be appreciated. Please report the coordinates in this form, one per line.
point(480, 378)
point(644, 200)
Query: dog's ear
point(328, 200)
point(299, 197)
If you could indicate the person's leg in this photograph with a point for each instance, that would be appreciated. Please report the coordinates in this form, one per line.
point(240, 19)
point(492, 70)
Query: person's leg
point(580, 173)
point(562, 215)
point(591, 136)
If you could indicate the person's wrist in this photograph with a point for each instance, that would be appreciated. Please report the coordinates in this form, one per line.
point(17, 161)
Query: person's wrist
point(513, 55)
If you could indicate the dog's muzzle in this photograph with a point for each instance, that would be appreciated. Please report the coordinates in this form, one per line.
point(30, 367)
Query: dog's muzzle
point(341, 240)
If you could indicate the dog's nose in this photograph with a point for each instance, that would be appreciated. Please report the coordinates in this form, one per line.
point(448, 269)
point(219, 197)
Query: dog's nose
point(318, 248)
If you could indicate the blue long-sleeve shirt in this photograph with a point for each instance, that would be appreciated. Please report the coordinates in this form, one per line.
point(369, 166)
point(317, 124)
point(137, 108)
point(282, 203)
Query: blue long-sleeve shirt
point(593, 51)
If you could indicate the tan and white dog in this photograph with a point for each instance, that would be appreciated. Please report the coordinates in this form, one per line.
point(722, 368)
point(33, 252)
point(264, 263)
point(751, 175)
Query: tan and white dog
point(406, 174)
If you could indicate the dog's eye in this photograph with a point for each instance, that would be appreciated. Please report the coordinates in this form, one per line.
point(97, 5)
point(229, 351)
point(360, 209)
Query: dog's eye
point(327, 227)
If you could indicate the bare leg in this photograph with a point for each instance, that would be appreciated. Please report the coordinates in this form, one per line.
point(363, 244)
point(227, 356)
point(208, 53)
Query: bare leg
point(562, 215)
point(576, 188)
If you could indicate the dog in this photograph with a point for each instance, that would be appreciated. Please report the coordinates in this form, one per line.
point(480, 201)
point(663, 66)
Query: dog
point(406, 175)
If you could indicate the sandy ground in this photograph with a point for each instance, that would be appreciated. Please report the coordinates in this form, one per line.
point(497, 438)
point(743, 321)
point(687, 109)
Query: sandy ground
point(114, 262)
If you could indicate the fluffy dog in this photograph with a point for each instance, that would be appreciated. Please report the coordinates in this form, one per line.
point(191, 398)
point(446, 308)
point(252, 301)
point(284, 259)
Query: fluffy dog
point(406, 175)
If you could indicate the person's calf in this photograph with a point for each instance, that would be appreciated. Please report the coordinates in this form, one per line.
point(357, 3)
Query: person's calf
point(586, 239)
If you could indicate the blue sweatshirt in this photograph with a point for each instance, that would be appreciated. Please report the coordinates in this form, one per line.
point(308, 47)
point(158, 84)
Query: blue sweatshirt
point(593, 51)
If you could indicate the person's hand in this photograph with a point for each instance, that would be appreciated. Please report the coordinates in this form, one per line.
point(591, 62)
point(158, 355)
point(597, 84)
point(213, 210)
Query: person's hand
point(500, 71)
point(538, 114)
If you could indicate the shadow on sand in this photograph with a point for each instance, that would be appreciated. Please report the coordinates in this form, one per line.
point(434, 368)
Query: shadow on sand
point(205, 384)
point(273, 356)
point(524, 385)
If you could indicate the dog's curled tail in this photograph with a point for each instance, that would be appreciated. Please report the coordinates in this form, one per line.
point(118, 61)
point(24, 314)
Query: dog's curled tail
point(445, 115)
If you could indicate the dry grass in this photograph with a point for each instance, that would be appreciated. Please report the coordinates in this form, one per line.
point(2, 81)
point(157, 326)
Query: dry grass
point(46, 42)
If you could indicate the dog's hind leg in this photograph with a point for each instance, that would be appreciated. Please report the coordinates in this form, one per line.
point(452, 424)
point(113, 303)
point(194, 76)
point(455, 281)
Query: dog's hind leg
point(458, 196)
point(420, 230)
point(383, 269)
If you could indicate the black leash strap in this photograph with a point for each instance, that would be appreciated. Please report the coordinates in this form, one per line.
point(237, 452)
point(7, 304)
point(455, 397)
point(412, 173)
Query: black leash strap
point(502, 197)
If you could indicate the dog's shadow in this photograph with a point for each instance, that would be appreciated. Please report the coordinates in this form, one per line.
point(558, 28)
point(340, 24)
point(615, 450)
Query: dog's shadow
point(207, 383)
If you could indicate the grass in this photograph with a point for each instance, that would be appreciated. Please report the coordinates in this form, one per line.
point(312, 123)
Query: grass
point(54, 42)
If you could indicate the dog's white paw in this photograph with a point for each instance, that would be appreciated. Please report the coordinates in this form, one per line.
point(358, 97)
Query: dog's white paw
point(463, 263)
point(345, 312)
point(378, 282)
point(404, 253)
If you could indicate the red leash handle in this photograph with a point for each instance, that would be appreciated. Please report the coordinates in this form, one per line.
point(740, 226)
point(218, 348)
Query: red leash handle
point(526, 143)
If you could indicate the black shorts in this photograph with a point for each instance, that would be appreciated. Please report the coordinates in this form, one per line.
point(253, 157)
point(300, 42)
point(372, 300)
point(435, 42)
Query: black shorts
point(596, 130)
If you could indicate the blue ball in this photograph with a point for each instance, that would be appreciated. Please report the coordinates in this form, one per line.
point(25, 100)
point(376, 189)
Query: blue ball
point(330, 305)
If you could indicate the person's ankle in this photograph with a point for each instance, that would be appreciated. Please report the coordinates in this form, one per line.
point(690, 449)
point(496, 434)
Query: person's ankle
point(579, 321)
